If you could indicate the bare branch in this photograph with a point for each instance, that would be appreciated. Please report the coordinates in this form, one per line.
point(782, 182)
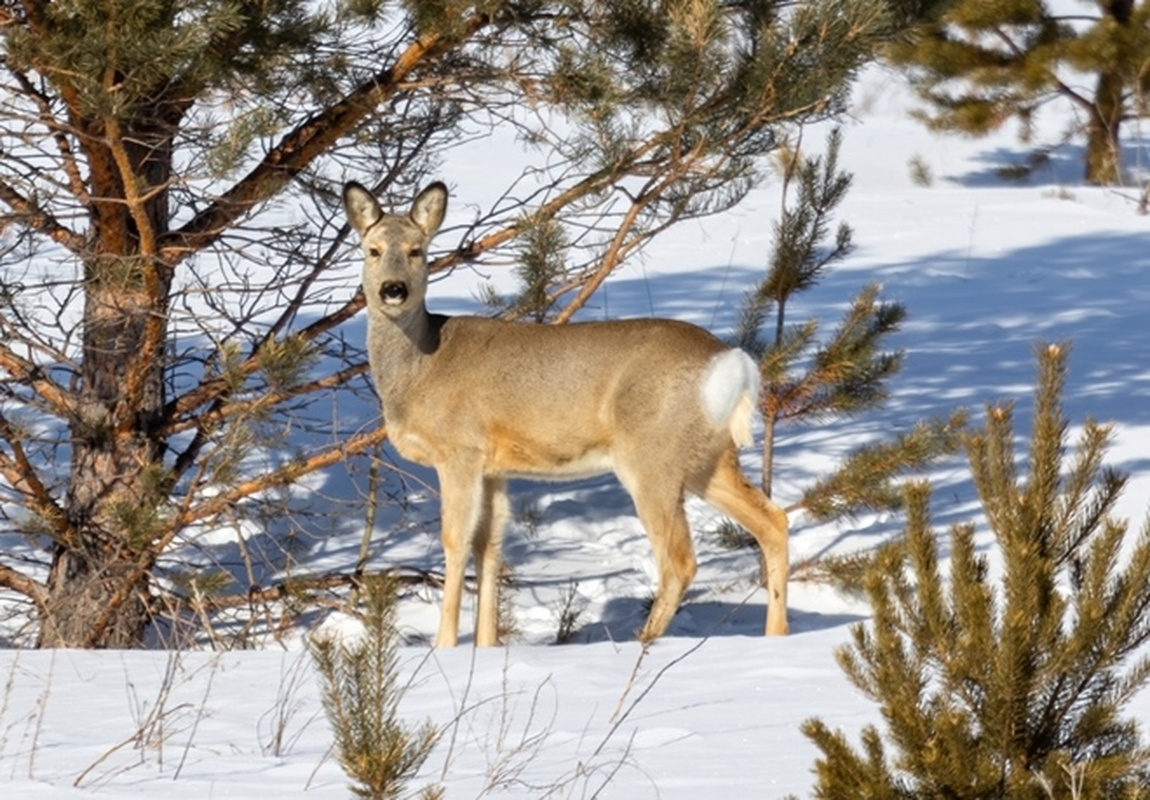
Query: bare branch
point(17, 469)
point(294, 587)
point(266, 400)
point(68, 160)
point(30, 374)
point(214, 388)
point(41, 221)
point(18, 582)
point(281, 477)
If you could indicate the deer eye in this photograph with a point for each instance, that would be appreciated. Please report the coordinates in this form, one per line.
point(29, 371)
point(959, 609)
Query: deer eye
point(374, 252)
point(415, 252)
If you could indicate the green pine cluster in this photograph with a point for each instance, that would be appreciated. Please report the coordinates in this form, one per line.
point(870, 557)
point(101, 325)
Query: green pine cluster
point(540, 266)
point(1006, 683)
point(980, 63)
point(165, 54)
point(865, 478)
point(361, 694)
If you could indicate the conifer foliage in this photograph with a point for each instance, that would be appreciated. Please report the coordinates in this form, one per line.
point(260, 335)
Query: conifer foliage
point(1006, 683)
point(980, 63)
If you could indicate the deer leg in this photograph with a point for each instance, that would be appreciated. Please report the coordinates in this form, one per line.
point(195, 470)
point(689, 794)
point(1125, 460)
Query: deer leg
point(661, 512)
point(487, 549)
point(728, 490)
point(460, 489)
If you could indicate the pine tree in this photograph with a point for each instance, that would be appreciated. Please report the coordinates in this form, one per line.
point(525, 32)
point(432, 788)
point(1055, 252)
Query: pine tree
point(806, 381)
point(1006, 684)
point(980, 63)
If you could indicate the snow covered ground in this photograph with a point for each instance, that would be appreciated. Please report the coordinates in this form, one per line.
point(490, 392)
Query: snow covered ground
point(985, 269)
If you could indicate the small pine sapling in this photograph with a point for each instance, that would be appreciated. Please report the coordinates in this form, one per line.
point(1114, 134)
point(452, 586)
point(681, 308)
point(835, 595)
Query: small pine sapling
point(1009, 682)
point(361, 694)
point(806, 380)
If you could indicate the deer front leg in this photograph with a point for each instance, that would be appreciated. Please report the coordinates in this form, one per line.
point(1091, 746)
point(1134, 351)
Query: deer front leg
point(487, 549)
point(461, 497)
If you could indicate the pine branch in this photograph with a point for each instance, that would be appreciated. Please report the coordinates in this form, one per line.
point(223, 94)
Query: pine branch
point(309, 140)
point(611, 258)
point(797, 264)
point(848, 373)
point(990, 690)
point(865, 480)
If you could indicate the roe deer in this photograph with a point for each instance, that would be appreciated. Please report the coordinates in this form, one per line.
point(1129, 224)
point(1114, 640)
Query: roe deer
point(661, 403)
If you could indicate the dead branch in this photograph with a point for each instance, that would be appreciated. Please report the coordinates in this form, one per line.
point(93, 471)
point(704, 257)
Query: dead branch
point(41, 221)
point(17, 469)
point(30, 374)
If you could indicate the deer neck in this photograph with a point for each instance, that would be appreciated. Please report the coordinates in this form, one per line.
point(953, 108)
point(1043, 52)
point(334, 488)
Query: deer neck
point(399, 349)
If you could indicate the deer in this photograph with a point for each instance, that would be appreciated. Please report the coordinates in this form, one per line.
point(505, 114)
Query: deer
point(663, 404)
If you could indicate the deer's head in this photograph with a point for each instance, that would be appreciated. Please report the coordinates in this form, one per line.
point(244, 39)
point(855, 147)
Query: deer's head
point(395, 247)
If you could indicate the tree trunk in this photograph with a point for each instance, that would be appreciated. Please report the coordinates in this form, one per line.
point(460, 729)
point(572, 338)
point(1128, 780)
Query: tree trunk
point(98, 586)
point(1103, 156)
point(1103, 163)
point(93, 600)
point(97, 590)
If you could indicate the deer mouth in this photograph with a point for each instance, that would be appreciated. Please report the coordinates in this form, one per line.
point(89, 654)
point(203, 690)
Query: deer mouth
point(393, 293)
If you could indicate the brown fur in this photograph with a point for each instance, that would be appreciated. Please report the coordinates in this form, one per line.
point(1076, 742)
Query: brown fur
point(482, 400)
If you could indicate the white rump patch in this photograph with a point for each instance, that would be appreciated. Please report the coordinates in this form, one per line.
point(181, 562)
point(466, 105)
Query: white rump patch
point(730, 393)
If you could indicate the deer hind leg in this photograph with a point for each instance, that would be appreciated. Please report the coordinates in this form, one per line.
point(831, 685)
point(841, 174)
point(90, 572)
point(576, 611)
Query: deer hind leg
point(728, 490)
point(660, 509)
point(487, 547)
point(461, 502)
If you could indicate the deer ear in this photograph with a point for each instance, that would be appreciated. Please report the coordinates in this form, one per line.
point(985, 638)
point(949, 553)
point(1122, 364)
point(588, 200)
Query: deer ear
point(362, 208)
point(429, 207)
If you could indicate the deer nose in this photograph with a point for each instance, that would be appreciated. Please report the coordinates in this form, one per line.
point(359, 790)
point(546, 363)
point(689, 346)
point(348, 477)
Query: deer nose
point(393, 293)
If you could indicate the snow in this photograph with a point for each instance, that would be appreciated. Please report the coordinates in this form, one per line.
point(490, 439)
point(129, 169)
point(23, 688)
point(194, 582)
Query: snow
point(985, 268)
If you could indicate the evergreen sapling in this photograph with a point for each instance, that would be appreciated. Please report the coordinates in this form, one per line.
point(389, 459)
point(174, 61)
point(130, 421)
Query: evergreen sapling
point(360, 691)
point(1006, 683)
point(808, 380)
